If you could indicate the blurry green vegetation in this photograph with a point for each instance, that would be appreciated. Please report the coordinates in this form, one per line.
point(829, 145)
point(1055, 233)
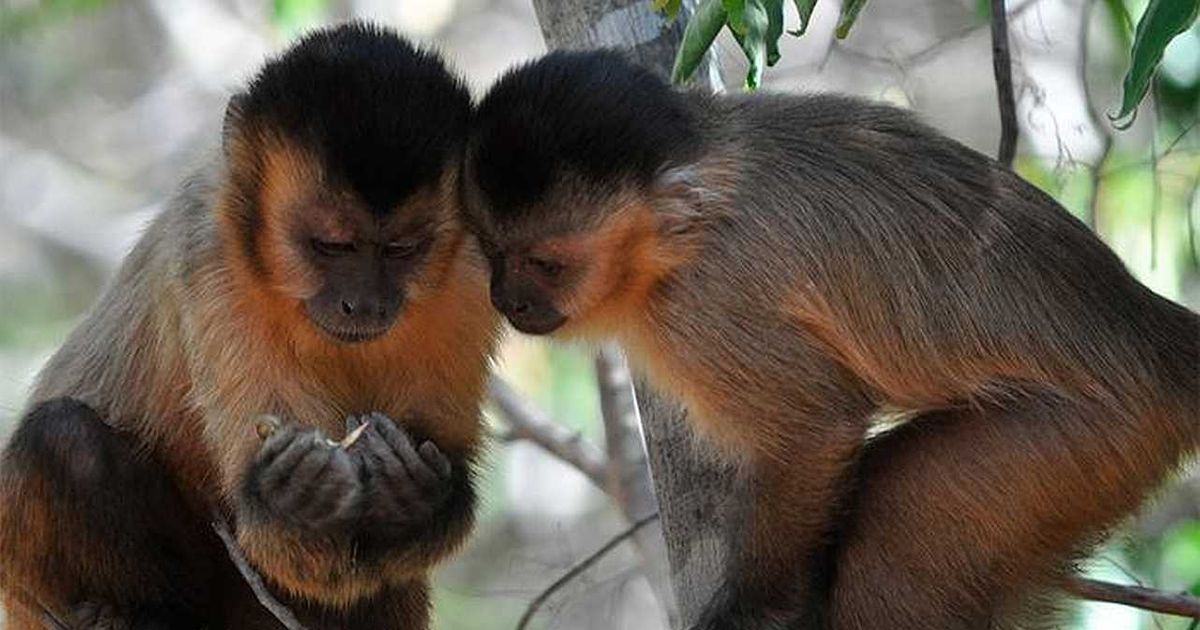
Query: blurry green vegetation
point(294, 16)
point(42, 13)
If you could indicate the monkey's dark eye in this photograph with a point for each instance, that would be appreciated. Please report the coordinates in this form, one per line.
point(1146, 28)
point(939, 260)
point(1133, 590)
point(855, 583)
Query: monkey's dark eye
point(332, 248)
point(546, 267)
point(402, 249)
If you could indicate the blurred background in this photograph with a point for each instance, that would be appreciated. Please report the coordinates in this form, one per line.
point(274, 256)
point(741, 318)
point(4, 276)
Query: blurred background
point(105, 105)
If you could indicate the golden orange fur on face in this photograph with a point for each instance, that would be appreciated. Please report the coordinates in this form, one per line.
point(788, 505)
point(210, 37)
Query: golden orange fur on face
point(300, 208)
point(613, 269)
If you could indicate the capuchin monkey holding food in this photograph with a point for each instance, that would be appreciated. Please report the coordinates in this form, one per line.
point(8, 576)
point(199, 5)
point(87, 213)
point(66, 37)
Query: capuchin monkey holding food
point(789, 267)
point(318, 274)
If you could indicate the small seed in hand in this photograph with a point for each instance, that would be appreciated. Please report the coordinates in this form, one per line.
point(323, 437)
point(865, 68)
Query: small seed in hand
point(266, 425)
point(353, 436)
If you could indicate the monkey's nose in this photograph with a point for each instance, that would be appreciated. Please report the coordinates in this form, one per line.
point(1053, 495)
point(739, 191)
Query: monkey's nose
point(521, 308)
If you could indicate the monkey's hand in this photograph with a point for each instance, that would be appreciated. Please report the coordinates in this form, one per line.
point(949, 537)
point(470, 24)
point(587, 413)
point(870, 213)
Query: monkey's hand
point(407, 484)
point(303, 480)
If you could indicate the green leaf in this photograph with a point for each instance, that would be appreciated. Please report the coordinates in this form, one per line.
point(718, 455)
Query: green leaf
point(850, 11)
point(774, 29)
point(804, 9)
point(701, 30)
point(670, 8)
point(754, 42)
point(736, 12)
point(1162, 21)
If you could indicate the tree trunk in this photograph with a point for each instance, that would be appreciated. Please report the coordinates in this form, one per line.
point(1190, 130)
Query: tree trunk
point(696, 494)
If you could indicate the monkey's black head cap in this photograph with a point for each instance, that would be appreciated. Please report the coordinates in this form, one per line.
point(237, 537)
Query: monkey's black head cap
point(388, 116)
point(593, 112)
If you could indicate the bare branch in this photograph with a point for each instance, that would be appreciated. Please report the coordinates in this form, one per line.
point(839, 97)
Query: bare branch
point(580, 567)
point(629, 481)
point(1180, 604)
point(628, 475)
point(277, 608)
point(527, 422)
point(1002, 67)
point(922, 55)
point(1101, 126)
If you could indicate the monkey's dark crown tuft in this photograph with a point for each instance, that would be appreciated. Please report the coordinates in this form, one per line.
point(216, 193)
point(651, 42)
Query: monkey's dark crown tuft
point(387, 116)
point(594, 113)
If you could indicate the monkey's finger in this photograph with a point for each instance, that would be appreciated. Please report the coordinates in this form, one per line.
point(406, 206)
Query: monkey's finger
point(352, 423)
point(266, 425)
point(337, 483)
point(420, 472)
point(310, 467)
point(436, 458)
point(276, 443)
point(279, 470)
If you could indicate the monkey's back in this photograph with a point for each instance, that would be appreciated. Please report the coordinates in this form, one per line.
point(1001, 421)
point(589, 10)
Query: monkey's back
point(936, 274)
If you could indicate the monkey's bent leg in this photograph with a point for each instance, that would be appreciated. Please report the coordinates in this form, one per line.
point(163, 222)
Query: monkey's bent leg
point(961, 516)
point(91, 531)
point(780, 573)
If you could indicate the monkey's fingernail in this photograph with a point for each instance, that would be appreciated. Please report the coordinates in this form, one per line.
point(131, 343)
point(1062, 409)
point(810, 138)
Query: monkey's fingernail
point(265, 425)
point(353, 436)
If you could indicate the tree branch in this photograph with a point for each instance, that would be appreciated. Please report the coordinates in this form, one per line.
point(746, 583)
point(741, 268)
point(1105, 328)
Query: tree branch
point(580, 567)
point(1155, 600)
point(527, 422)
point(1101, 126)
point(1002, 67)
point(1180, 604)
point(277, 608)
point(629, 481)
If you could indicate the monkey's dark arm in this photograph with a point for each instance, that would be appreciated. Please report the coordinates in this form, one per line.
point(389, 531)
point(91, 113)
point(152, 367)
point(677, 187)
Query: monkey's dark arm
point(93, 531)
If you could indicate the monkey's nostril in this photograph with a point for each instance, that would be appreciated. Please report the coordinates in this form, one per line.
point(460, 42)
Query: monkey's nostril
point(347, 307)
point(521, 308)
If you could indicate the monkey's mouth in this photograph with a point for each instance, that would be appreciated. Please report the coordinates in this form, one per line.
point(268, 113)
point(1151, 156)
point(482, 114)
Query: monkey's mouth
point(541, 324)
point(352, 335)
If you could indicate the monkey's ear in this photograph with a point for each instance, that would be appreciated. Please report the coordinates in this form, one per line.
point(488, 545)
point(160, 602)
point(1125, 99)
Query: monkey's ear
point(684, 203)
point(231, 125)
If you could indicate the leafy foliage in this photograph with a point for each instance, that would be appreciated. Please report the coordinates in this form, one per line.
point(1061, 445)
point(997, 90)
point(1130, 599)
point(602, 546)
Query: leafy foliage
point(757, 26)
point(1162, 21)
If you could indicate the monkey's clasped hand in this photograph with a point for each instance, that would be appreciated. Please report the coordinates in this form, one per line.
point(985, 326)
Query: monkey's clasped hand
point(382, 482)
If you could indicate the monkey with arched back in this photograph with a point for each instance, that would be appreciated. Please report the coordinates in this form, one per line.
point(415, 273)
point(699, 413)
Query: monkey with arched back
point(788, 266)
point(317, 272)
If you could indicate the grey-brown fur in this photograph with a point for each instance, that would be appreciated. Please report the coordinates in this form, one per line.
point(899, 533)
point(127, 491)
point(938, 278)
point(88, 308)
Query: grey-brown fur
point(830, 259)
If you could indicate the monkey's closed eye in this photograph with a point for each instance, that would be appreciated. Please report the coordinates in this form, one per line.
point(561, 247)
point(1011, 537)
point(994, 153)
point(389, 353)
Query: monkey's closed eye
point(549, 268)
point(402, 249)
point(332, 248)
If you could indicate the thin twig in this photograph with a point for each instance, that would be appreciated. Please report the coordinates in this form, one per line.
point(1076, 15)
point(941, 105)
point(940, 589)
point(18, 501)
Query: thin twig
point(1180, 604)
point(1154, 600)
point(1002, 67)
point(1156, 190)
point(1098, 122)
point(277, 608)
point(920, 56)
point(527, 422)
point(580, 567)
